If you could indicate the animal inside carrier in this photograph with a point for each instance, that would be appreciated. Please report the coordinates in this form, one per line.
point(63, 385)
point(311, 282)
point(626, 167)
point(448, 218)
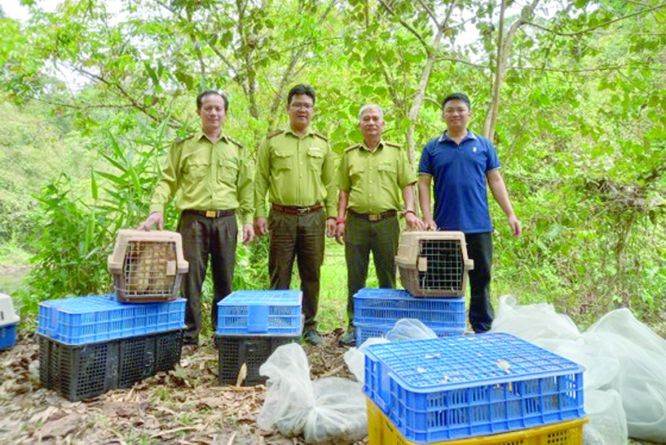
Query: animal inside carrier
point(433, 264)
point(147, 266)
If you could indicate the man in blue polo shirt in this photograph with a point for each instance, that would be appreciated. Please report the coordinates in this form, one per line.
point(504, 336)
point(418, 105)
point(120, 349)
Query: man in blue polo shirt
point(461, 163)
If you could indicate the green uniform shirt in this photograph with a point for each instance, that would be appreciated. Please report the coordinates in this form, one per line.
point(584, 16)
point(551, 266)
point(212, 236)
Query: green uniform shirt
point(375, 179)
point(206, 176)
point(296, 172)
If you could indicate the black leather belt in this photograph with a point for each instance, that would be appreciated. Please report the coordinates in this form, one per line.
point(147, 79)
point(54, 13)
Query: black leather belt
point(210, 213)
point(296, 210)
point(374, 217)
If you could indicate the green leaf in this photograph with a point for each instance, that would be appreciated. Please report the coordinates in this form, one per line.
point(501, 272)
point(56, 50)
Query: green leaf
point(93, 185)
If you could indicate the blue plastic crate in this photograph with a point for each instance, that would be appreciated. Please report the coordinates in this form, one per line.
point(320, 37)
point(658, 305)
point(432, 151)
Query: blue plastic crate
point(386, 306)
point(366, 331)
point(7, 336)
point(458, 387)
point(260, 312)
point(82, 320)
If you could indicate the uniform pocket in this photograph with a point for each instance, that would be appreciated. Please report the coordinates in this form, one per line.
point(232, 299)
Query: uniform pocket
point(316, 158)
point(282, 160)
point(356, 171)
point(227, 171)
point(196, 170)
point(387, 167)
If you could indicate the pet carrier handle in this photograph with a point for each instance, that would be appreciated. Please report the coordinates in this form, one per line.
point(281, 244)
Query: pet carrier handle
point(183, 266)
point(114, 266)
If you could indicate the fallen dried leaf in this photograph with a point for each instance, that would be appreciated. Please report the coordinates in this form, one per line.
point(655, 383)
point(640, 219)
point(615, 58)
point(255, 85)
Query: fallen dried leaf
point(60, 427)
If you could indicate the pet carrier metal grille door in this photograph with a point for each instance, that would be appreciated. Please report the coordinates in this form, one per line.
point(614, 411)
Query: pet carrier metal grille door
point(433, 264)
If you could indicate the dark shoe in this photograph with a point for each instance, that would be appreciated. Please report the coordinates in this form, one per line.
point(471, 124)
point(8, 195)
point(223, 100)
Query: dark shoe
point(312, 336)
point(349, 338)
point(190, 340)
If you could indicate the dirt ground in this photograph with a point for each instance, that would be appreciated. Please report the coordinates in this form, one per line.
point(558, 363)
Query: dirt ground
point(184, 406)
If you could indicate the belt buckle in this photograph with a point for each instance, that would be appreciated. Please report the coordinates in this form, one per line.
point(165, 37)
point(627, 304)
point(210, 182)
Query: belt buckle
point(211, 214)
point(303, 210)
point(374, 217)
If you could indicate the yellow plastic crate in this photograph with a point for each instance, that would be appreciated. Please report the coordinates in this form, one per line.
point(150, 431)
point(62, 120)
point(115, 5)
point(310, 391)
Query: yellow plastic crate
point(382, 432)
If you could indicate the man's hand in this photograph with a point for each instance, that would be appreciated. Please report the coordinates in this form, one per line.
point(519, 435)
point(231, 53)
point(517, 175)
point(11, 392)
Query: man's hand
point(429, 224)
point(330, 227)
point(413, 222)
point(153, 218)
point(248, 233)
point(515, 226)
point(340, 233)
point(260, 226)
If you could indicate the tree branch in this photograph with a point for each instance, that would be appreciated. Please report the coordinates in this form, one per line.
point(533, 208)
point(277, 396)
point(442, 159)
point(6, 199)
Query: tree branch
point(429, 12)
point(588, 70)
point(584, 31)
point(296, 54)
point(406, 25)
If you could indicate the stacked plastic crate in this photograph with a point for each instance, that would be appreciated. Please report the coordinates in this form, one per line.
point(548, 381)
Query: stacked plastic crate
point(377, 310)
point(8, 322)
point(474, 389)
point(89, 345)
point(250, 326)
point(433, 269)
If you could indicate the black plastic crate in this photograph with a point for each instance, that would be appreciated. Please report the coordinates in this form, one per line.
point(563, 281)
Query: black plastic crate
point(253, 351)
point(85, 371)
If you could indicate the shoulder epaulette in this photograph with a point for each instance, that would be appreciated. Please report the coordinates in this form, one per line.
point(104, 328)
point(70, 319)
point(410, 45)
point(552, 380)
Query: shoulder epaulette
point(186, 138)
point(274, 133)
point(393, 144)
point(351, 147)
point(320, 136)
point(233, 141)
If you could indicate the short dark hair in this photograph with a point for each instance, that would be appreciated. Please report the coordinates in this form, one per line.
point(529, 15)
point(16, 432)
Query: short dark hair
point(457, 96)
point(201, 96)
point(301, 89)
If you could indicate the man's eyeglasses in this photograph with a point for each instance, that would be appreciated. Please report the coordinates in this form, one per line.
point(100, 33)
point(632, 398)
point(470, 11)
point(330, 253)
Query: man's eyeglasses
point(301, 106)
point(455, 110)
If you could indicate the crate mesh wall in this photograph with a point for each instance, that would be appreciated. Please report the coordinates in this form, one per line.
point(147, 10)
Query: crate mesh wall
point(253, 351)
point(168, 351)
point(137, 360)
point(463, 386)
point(381, 431)
point(86, 371)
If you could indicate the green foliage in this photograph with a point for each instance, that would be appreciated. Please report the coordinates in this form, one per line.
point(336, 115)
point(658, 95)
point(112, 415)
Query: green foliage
point(580, 130)
point(72, 248)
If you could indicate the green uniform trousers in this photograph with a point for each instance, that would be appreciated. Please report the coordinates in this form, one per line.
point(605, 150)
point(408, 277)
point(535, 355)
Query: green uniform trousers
point(362, 237)
point(300, 237)
point(202, 237)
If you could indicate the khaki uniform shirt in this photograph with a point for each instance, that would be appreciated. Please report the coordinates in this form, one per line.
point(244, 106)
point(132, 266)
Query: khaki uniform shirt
point(375, 179)
point(206, 176)
point(296, 172)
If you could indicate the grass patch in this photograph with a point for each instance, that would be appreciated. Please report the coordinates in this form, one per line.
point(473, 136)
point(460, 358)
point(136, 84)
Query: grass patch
point(13, 255)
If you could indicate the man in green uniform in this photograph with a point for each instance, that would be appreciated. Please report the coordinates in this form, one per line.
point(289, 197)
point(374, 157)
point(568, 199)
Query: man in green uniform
point(211, 177)
point(372, 175)
point(296, 167)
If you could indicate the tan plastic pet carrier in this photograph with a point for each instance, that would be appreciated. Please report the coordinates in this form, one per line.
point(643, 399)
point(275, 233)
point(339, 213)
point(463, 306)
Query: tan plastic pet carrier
point(433, 264)
point(147, 266)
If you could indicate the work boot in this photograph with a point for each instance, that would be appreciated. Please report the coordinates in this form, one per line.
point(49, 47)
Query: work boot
point(349, 337)
point(312, 336)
